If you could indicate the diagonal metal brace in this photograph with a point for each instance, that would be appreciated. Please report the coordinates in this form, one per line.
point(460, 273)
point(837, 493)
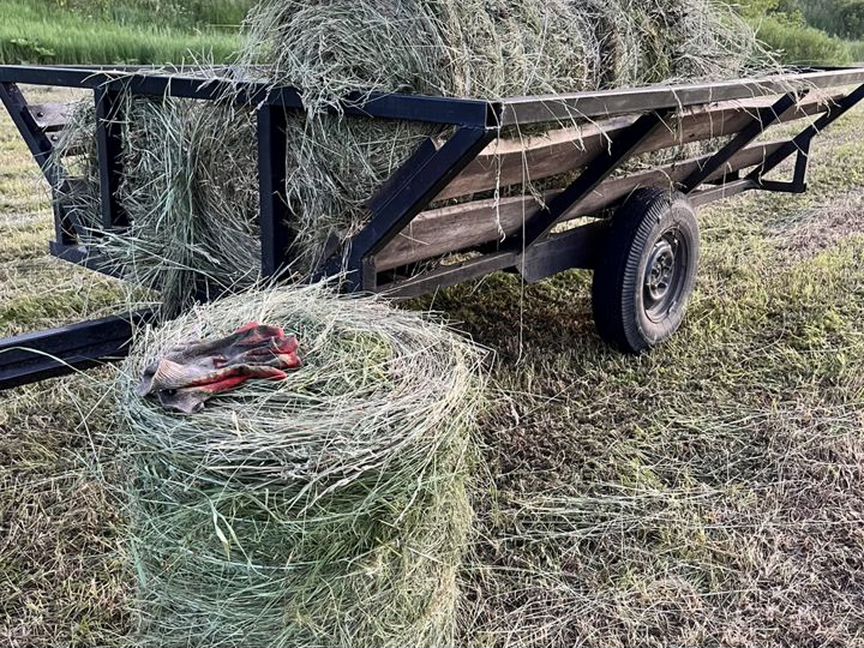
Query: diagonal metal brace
point(425, 175)
point(761, 120)
point(41, 148)
point(621, 149)
point(801, 143)
point(38, 142)
point(798, 185)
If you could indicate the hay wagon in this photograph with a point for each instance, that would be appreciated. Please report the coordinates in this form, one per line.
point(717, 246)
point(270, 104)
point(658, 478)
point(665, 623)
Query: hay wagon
point(439, 220)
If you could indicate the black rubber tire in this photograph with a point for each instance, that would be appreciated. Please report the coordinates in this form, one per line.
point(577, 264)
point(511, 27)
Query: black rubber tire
point(645, 226)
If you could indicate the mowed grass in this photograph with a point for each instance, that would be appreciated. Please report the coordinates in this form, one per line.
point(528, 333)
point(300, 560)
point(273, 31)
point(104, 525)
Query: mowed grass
point(707, 494)
point(44, 32)
point(62, 581)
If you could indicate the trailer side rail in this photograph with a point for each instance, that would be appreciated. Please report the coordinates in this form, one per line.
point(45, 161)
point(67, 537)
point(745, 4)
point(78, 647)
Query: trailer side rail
point(612, 127)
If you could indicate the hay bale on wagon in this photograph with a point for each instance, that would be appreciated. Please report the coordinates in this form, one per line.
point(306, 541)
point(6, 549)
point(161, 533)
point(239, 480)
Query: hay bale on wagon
point(191, 170)
point(189, 188)
point(492, 48)
point(326, 510)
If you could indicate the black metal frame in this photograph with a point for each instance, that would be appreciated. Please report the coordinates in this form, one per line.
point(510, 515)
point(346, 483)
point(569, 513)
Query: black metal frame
point(47, 354)
point(423, 178)
point(620, 150)
point(533, 251)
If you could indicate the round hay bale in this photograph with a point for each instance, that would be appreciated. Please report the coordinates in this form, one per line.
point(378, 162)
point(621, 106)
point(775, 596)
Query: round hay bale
point(190, 191)
point(326, 510)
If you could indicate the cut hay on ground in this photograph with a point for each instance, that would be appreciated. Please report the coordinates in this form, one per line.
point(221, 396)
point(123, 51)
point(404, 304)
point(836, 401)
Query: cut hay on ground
point(190, 182)
point(327, 510)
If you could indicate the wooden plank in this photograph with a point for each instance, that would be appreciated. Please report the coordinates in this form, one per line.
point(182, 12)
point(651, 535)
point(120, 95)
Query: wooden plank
point(459, 227)
point(564, 107)
point(51, 117)
point(580, 247)
point(510, 162)
point(699, 198)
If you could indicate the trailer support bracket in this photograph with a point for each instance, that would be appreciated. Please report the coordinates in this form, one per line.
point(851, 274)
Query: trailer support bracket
point(801, 143)
point(762, 120)
point(48, 354)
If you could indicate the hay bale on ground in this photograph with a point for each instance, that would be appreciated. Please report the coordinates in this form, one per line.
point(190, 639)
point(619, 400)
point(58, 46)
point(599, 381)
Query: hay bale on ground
point(191, 170)
point(327, 510)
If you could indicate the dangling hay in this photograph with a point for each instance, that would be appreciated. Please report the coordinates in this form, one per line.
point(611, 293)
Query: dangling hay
point(327, 510)
point(191, 181)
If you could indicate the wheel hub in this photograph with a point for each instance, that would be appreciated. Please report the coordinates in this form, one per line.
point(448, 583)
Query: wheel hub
point(661, 267)
point(664, 275)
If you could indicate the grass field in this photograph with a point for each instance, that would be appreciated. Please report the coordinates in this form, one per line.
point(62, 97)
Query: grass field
point(706, 495)
point(125, 32)
point(69, 32)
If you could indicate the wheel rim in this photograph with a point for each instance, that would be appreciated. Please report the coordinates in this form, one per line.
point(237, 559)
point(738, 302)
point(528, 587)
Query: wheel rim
point(665, 274)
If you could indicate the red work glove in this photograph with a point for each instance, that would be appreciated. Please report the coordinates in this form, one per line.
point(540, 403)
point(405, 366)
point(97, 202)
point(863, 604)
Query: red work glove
point(189, 374)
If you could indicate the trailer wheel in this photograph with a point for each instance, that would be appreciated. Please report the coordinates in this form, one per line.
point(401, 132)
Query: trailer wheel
point(646, 276)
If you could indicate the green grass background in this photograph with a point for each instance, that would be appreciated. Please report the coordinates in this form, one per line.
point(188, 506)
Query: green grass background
point(809, 32)
point(130, 31)
point(806, 32)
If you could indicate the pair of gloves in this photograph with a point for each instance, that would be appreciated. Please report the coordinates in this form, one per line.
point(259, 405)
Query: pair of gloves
point(190, 374)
